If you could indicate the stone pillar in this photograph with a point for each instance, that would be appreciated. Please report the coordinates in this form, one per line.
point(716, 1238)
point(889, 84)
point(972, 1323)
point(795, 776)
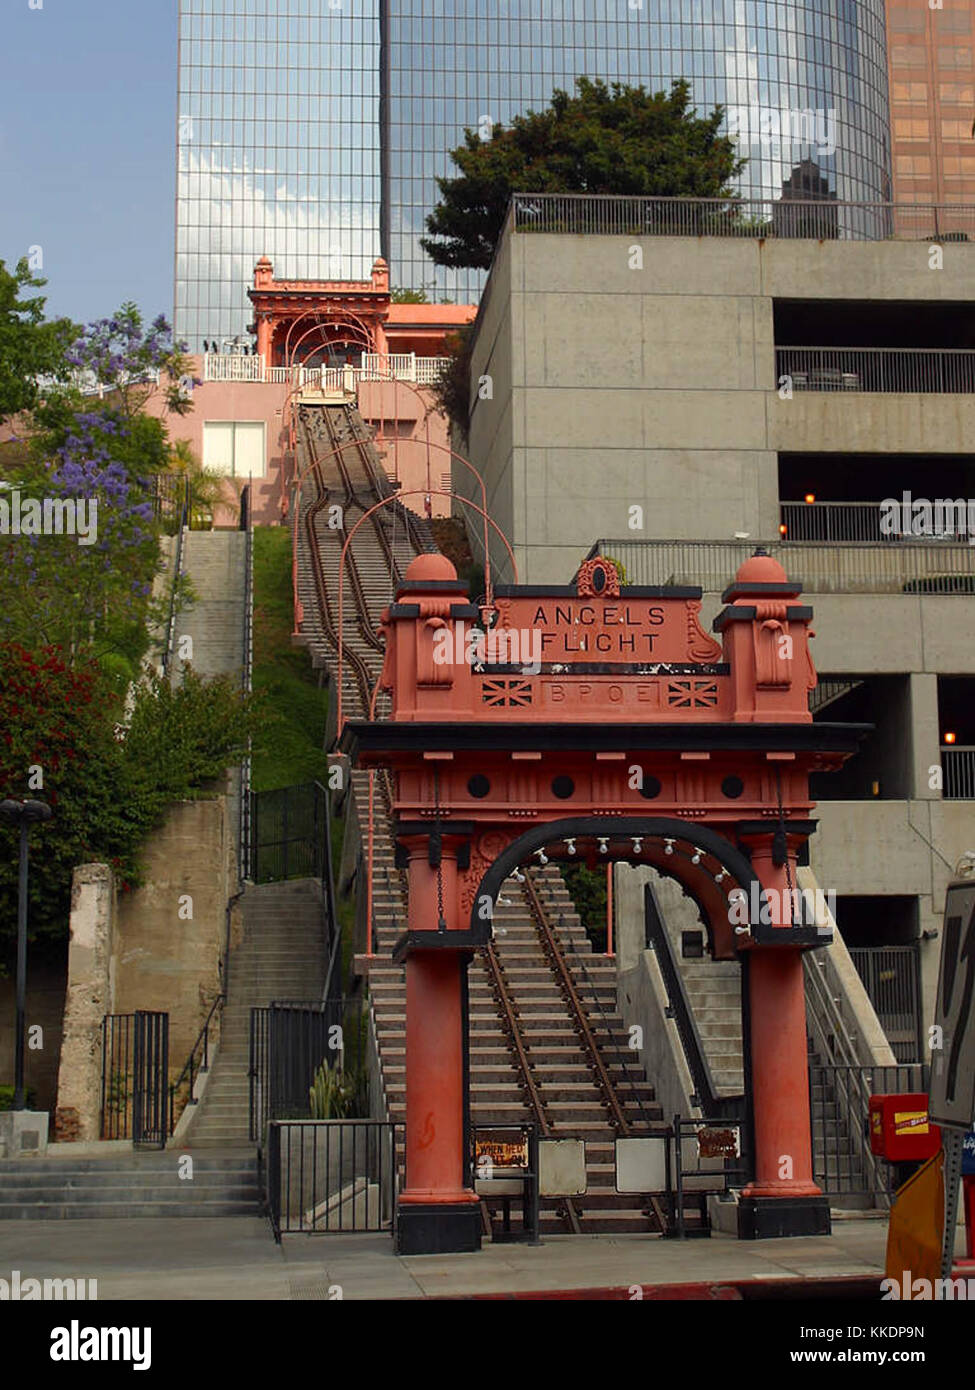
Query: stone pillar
point(90, 995)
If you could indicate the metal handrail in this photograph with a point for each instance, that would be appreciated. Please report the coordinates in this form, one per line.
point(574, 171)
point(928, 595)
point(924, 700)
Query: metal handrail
point(878, 369)
point(601, 214)
point(833, 1042)
point(891, 566)
point(202, 1037)
point(333, 929)
point(659, 942)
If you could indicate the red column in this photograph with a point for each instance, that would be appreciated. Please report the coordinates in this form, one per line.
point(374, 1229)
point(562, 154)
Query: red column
point(780, 1074)
point(434, 1079)
point(264, 339)
point(436, 1212)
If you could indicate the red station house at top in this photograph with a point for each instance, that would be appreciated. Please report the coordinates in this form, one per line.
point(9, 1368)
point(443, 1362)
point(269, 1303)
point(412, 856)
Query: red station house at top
point(494, 761)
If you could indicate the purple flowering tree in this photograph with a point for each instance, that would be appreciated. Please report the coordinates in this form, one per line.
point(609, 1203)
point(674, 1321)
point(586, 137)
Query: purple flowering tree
point(126, 359)
point(79, 574)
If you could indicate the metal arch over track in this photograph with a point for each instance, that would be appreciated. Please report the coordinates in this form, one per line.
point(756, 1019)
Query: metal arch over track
point(483, 740)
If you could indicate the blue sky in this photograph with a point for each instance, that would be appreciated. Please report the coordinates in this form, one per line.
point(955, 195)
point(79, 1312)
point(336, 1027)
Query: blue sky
point(87, 149)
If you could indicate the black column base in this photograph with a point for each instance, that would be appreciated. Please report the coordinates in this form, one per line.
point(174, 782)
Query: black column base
point(764, 1218)
point(438, 1230)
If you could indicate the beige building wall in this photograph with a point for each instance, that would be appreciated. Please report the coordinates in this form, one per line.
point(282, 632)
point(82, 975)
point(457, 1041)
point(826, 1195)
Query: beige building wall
point(641, 372)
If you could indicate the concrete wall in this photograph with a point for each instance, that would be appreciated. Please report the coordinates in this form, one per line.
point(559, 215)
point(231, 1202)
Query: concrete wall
point(143, 950)
point(884, 848)
point(618, 384)
point(164, 958)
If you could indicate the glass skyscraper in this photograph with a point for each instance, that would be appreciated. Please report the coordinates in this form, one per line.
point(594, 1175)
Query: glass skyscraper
point(278, 151)
point(313, 131)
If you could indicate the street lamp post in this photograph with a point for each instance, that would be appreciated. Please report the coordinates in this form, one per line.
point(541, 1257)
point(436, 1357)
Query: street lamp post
point(25, 814)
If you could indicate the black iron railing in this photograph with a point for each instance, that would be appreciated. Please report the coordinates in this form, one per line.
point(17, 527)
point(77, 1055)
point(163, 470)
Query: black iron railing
point(288, 833)
point(291, 837)
point(330, 1176)
point(197, 1062)
point(710, 1157)
point(289, 1042)
point(116, 1107)
point(840, 1109)
point(247, 673)
point(658, 941)
point(135, 1078)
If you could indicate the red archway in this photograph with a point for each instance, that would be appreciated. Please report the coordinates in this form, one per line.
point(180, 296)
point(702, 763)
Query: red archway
point(599, 714)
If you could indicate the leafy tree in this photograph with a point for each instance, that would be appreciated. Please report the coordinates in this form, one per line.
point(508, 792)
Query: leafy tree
point(30, 346)
point(93, 599)
point(452, 387)
point(206, 487)
point(409, 297)
point(587, 888)
point(109, 786)
point(618, 139)
point(123, 357)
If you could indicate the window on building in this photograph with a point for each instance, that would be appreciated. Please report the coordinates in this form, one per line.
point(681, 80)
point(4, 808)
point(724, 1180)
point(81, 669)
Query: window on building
point(235, 448)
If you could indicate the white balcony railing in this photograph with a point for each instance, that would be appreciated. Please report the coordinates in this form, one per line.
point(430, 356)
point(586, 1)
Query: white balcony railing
point(402, 366)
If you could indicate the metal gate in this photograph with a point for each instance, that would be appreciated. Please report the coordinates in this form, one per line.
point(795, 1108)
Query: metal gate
point(891, 976)
point(330, 1176)
point(288, 829)
point(289, 1041)
point(135, 1078)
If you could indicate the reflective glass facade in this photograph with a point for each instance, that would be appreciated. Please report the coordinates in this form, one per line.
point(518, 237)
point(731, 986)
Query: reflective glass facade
point(332, 124)
point(278, 151)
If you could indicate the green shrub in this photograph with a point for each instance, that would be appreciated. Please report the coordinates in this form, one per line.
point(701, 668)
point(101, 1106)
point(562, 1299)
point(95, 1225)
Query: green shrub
point(7, 1097)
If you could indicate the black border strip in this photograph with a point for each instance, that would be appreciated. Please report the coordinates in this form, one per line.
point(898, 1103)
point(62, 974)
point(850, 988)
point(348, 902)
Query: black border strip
point(362, 736)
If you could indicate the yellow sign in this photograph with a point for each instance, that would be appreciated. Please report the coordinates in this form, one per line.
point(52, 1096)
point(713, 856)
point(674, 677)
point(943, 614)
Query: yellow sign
point(501, 1153)
point(911, 1122)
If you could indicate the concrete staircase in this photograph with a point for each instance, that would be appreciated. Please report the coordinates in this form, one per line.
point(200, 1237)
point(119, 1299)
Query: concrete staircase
point(214, 563)
point(128, 1184)
point(281, 956)
point(713, 990)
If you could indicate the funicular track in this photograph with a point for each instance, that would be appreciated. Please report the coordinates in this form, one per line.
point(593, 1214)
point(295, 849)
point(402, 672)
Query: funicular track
point(535, 1053)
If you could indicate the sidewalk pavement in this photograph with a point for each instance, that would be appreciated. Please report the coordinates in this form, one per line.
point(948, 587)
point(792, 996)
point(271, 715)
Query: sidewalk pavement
point(235, 1258)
